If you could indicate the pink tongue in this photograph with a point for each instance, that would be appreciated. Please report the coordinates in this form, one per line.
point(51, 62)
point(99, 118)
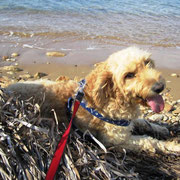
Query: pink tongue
point(156, 103)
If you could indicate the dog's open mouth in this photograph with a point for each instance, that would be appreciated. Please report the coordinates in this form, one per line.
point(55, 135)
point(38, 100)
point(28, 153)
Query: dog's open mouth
point(156, 103)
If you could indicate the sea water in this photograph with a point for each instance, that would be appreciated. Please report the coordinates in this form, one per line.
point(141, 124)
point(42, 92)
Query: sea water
point(118, 22)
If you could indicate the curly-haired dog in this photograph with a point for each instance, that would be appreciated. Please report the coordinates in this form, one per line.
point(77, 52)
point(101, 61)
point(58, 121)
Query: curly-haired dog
point(115, 88)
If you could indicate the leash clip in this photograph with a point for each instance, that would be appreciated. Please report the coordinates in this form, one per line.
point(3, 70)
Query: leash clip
point(80, 94)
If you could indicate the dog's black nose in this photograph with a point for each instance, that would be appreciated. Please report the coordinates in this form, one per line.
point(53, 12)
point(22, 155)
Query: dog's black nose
point(158, 87)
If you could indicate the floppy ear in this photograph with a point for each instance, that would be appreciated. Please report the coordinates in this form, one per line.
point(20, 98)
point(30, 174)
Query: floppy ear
point(103, 88)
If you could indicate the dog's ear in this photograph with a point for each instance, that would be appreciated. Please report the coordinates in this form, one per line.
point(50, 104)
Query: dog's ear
point(103, 88)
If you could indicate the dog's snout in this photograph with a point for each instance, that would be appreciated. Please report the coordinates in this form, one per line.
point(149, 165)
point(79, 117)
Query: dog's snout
point(158, 87)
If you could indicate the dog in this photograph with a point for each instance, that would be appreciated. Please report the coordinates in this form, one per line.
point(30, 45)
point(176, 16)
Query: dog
point(115, 88)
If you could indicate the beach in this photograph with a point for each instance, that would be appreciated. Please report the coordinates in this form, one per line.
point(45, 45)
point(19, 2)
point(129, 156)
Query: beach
point(32, 64)
point(80, 61)
point(48, 39)
point(80, 71)
point(87, 32)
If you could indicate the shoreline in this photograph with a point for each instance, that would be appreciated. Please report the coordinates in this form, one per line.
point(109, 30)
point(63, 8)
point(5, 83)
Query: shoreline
point(83, 52)
point(80, 61)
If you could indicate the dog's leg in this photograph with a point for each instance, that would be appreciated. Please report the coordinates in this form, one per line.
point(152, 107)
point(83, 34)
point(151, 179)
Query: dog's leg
point(148, 144)
point(145, 126)
point(122, 138)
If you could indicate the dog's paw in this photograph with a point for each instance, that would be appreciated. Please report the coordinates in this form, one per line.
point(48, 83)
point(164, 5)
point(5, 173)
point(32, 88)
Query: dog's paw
point(160, 132)
point(164, 132)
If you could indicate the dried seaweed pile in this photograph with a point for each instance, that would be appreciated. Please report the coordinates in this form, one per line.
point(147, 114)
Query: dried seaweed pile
point(28, 143)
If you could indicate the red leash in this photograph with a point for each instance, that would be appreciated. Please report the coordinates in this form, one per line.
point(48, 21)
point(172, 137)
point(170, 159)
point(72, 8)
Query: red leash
point(61, 146)
point(60, 149)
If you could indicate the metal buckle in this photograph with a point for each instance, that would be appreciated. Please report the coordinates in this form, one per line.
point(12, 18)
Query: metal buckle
point(80, 93)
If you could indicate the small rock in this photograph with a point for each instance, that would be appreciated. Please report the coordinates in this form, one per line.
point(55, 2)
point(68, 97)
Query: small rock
point(39, 75)
point(168, 107)
point(174, 103)
point(25, 76)
point(63, 78)
point(157, 117)
point(165, 118)
point(55, 54)
point(4, 78)
point(26, 72)
point(14, 54)
point(173, 120)
point(11, 59)
point(178, 101)
point(149, 111)
point(174, 75)
point(4, 81)
point(10, 72)
point(177, 111)
point(4, 58)
point(10, 68)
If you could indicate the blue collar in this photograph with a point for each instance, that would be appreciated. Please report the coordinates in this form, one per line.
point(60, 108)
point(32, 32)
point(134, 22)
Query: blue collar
point(120, 122)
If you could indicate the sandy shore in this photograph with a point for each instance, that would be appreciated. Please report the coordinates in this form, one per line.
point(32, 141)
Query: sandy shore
point(55, 70)
point(80, 62)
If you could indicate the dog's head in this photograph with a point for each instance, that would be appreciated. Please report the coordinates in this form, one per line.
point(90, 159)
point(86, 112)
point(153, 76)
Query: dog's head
point(128, 76)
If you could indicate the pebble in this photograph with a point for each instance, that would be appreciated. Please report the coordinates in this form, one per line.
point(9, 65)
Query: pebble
point(4, 58)
point(157, 117)
point(63, 78)
point(178, 119)
point(150, 111)
point(166, 118)
point(55, 54)
point(25, 76)
point(174, 103)
point(174, 75)
point(14, 54)
point(11, 68)
point(10, 72)
point(177, 111)
point(11, 59)
point(173, 120)
point(178, 101)
point(40, 75)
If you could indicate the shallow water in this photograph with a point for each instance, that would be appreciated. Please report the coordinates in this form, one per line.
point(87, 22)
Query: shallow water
point(116, 22)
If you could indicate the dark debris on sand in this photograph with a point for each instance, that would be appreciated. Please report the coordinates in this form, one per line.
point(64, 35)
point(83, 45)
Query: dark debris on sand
point(28, 142)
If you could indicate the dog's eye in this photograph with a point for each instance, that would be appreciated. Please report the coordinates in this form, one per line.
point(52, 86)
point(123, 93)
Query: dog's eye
point(149, 63)
point(146, 62)
point(129, 75)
